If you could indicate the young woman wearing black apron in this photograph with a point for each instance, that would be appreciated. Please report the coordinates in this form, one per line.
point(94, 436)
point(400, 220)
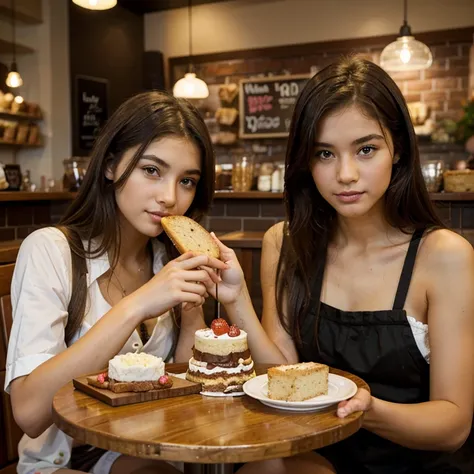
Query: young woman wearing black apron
point(359, 222)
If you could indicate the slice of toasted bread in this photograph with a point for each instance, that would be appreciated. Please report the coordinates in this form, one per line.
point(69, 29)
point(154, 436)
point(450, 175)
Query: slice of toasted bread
point(188, 236)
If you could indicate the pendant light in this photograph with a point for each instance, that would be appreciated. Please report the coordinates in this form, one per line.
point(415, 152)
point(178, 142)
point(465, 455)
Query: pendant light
point(14, 79)
point(190, 86)
point(96, 4)
point(406, 53)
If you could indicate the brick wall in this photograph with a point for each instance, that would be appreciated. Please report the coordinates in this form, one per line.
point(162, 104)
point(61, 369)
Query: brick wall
point(18, 219)
point(444, 86)
point(228, 215)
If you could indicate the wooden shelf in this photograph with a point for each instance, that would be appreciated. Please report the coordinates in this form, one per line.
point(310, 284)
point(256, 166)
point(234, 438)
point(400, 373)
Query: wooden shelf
point(452, 196)
point(19, 145)
point(28, 12)
point(243, 239)
point(6, 47)
point(247, 195)
point(19, 116)
point(36, 196)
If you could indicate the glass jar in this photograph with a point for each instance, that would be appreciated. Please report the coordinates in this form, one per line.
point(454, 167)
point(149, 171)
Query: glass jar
point(242, 172)
point(224, 177)
point(74, 171)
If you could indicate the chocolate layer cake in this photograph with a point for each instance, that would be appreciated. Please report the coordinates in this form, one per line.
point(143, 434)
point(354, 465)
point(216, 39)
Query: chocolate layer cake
point(221, 362)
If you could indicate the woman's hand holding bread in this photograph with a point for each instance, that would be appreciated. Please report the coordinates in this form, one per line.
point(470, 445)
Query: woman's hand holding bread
point(183, 280)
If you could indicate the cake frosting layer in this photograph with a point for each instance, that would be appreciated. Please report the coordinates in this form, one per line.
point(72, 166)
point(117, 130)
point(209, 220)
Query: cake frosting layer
point(229, 360)
point(207, 342)
point(218, 383)
point(133, 367)
point(202, 367)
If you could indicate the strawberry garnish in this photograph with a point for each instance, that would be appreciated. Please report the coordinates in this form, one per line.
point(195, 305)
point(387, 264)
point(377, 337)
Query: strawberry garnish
point(234, 331)
point(102, 377)
point(219, 326)
point(165, 381)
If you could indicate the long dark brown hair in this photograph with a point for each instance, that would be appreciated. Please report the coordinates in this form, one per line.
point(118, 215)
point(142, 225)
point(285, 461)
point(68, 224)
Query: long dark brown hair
point(142, 119)
point(310, 219)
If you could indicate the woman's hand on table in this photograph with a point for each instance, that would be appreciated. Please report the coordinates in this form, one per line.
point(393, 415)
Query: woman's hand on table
point(361, 401)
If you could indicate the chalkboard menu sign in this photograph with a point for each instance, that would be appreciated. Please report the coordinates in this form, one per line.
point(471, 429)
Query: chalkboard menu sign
point(266, 105)
point(92, 109)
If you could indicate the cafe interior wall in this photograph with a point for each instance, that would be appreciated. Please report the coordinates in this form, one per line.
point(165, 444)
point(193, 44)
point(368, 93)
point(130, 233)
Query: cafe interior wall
point(248, 24)
point(45, 74)
point(241, 26)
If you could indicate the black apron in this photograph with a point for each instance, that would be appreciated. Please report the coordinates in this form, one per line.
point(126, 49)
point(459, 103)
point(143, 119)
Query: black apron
point(379, 347)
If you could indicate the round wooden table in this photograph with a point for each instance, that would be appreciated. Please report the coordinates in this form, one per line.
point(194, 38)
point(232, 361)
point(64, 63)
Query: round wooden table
point(196, 429)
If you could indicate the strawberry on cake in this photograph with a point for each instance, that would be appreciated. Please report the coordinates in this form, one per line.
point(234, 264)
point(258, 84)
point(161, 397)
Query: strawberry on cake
point(221, 359)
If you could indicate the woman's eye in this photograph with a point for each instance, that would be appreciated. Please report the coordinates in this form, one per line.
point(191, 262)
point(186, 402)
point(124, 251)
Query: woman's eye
point(367, 150)
point(188, 182)
point(324, 154)
point(151, 171)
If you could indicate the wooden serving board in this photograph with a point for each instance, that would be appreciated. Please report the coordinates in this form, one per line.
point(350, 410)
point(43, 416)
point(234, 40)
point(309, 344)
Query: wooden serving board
point(180, 388)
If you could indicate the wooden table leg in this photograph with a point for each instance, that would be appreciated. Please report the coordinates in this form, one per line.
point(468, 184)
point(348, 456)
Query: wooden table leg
point(191, 468)
point(208, 468)
point(219, 469)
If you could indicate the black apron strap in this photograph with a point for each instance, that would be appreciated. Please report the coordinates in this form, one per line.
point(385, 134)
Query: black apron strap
point(405, 278)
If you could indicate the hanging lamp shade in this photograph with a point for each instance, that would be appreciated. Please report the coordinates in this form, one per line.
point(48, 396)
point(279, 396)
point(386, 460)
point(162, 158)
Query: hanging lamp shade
point(406, 53)
point(190, 86)
point(14, 79)
point(96, 4)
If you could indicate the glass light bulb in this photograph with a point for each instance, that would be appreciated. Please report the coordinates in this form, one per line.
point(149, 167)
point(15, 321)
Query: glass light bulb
point(14, 79)
point(405, 55)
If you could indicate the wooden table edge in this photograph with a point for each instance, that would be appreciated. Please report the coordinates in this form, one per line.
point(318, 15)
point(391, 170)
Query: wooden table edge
point(167, 451)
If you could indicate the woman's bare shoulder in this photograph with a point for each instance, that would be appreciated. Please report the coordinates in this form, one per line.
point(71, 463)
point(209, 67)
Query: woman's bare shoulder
point(444, 249)
point(274, 235)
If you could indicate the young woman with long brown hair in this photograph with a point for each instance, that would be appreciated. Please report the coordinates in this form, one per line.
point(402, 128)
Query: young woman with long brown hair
point(108, 280)
point(364, 277)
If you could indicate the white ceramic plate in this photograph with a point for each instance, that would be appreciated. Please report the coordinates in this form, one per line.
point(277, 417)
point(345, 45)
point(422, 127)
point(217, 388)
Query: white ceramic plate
point(213, 394)
point(340, 388)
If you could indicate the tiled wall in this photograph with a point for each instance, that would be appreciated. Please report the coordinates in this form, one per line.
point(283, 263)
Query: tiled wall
point(20, 218)
point(230, 215)
point(443, 86)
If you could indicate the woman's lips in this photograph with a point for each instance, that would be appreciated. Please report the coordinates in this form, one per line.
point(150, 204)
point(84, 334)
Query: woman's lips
point(350, 196)
point(156, 216)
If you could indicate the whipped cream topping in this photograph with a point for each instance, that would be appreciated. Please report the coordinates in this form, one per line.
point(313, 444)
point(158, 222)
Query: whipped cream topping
point(133, 367)
point(197, 366)
point(209, 334)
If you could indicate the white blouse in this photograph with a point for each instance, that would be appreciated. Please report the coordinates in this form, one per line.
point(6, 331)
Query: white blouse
point(40, 293)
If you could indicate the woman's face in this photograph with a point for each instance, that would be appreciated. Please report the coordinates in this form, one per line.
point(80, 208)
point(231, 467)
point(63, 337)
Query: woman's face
point(352, 162)
point(162, 183)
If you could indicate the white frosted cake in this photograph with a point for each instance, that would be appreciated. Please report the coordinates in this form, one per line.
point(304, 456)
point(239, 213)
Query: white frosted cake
point(221, 359)
point(139, 367)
